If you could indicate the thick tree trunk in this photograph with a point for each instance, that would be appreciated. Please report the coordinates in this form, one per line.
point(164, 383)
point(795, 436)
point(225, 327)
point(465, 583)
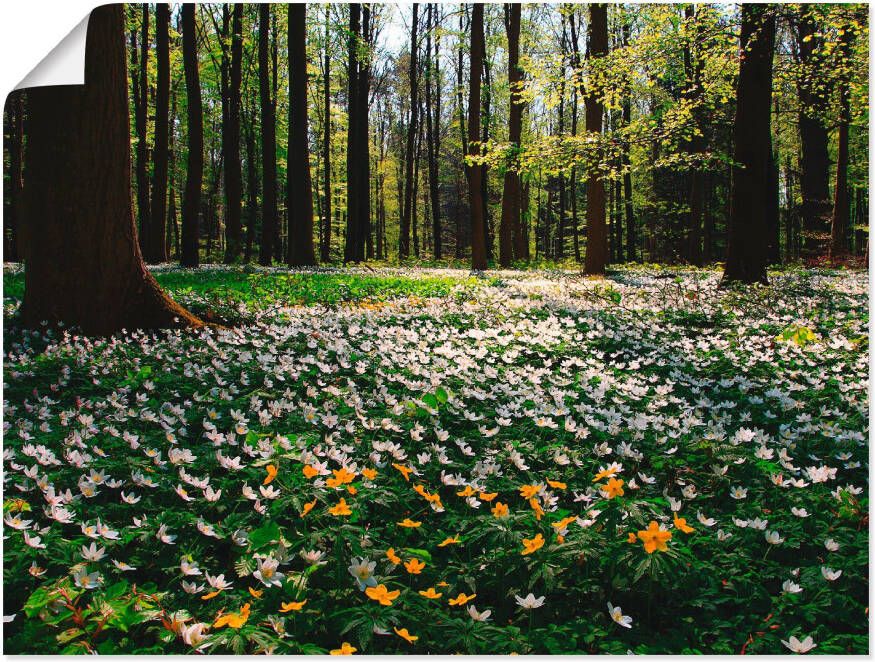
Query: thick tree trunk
point(299, 188)
point(840, 213)
point(475, 171)
point(325, 240)
point(596, 229)
point(269, 222)
point(87, 270)
point(509, 233)
point(351, 251)
point(813, 137)
point(191, 202)
point(157, 239)
point(404, 236)
point(251, 188)
point(746, 254)
point(231, 142)
point(13, 230)
point(141, 115)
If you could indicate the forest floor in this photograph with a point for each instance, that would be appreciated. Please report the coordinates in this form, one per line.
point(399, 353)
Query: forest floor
point(426, 461)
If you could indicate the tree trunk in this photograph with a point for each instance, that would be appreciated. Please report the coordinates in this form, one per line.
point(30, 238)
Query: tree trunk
point(364, 247)
point(269, 222)
point(231, 141)
point(13, 230)
point(351, 251)
point(432, 132)
point(746, 254)
point(509, 232)
point(325, 242)
point(156, 242)
point(596, 229)
point(141, 116)
point(840, 212)
point(87, 270)
point(191, 202)
point(475, 170)
point(404, 237)
point(813, 137)
point(299, 190)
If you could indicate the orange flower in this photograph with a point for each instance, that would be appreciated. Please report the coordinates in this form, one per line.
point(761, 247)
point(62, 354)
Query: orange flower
point(536, 506)
point(556, 485)
point(431, 594)
point(381, 594)
point(500, 509)
point(613, 488)
point(681, 523)
point(210, 595)
point(392, 556)
point(310, 471)
point(271, 474)
point(462, 599)
point(341, 477)
point(405, 471)
point(404, 634)
point(605, 473)
point(408, 523)
point(632, 537)
point(340, 509)
point(345, 649)
point(233, 620)
point(449, 541)
point(468, 491)
point(292, 606)
point(308, 507)
point(532, 545)
point(654, 538)
point(565, 521)
point(431, 498)
point(414, 566)
point(370, 474)
point(487, 496)
point(529, 491)
point(255, 593)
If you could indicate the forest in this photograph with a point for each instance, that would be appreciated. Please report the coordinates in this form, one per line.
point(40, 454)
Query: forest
point(440, 328)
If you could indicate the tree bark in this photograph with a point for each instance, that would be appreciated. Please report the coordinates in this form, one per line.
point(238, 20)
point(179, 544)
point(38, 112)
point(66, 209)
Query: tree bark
point(299, 189)
point(157, 239)
point(325, 242)
point(13, 231)
point(840, 213)
point(141, 116)
point(510, 232)
point(596, 228)
point(475, 170)
point(365, 246)
point(432, 133)
point(352, 252)
point(87, 269)
point(231, 141)
point(191, 202)
point(404, 237)
point(746, 254)
point(269, 223)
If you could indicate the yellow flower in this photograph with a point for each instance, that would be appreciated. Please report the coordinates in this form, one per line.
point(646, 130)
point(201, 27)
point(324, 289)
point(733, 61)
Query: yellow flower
point(405, 471)
point(487, 496)
point(255, 593)
point(532, 545)
point(370, 474)
point(292, 606)
point(431, 594)
point(310, 471)
point(500, 509)
point(271, 474)
point(308, 507)
point(462, 599)
point(449, 541)
point(528, 491)
point(381, 594)
point(392, 556)
point(340, 509)
point(654, 538)
point(613, 488)
point(404, 634)
point(604, 473)
point(681, 523)
point(233, 620)
point(408, 523)
point(414, 566)
point(556, 485)
point(345, 649)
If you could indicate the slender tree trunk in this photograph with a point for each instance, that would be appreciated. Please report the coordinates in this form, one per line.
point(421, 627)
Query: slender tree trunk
point(141, 115)
point(596, 230)
point(269, 222)
point(746, 254)
point(299, 190)
point(156, 242)
point(840, 213)
point(191, 202)
point(510, 240)
point(432, 131)
point(325, 243)
point(351, 252)
point(251, 188)
point(696, 144)
point(363, 246)
point(404, 237)
point(475, 170)
point(231, 141)
point(87, 269)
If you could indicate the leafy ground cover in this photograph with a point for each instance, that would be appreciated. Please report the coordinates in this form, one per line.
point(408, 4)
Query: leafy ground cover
point(423, 461)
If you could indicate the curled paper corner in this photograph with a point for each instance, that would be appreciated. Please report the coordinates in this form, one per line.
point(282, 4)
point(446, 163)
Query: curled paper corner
point(65, 63)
